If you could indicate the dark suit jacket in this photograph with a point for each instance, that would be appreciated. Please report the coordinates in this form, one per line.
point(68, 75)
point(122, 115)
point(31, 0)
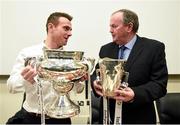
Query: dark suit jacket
point(147, 77)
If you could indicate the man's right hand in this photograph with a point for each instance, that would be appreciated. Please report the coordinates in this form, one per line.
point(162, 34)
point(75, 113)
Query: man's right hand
point(98, 88)
point(28, 73)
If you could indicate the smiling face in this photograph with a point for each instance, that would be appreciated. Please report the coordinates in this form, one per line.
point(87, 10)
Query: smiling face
point(60, 33)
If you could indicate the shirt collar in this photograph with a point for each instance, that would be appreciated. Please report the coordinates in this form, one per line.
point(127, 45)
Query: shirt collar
point(131, 43)
point(44, 46)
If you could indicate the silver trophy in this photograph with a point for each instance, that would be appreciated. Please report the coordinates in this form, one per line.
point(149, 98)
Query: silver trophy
point(63, 69)
point(111, 75)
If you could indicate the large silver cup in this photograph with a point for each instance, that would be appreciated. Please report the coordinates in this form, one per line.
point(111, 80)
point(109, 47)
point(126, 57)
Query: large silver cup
point(111, 74)
point(63, 69)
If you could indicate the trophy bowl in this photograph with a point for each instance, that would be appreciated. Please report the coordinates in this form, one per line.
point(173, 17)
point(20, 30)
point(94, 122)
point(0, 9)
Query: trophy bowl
point(63, 69)
point(111, 74)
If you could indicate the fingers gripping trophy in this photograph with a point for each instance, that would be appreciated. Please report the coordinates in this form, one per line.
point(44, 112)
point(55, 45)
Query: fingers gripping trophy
point(63, 69)
point(111, 75)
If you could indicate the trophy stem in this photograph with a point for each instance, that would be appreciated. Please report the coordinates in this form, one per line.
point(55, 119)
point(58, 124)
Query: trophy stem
point(63, 108)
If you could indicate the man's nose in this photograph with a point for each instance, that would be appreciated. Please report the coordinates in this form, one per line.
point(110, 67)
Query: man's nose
point(70, 33)
point(111, 30)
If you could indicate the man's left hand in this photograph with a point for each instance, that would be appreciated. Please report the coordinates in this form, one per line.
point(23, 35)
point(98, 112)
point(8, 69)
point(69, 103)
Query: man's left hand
point(125, 94)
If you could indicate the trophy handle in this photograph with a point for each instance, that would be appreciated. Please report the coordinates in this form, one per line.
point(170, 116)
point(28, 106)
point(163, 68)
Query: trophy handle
point(124, 82)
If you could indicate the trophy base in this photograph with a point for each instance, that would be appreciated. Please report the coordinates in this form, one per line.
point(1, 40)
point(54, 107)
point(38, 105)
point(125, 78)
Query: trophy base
point(65, 108)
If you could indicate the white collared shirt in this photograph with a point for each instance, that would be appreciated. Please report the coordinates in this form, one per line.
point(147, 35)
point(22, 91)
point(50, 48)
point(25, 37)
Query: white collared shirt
point(16, 83)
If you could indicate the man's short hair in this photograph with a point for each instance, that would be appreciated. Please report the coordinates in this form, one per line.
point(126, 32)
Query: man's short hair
point(129, 17)
point(54, 17)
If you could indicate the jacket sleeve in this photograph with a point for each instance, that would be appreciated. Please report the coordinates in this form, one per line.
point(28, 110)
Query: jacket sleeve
point(156, 86)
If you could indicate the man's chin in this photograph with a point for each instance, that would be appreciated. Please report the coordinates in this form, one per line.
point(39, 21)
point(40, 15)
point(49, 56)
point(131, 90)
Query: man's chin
point(115, 41)
point(65, 43)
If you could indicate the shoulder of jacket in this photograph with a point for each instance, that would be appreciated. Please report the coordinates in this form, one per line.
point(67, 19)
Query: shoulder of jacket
point(151, 42)
point(111, 44)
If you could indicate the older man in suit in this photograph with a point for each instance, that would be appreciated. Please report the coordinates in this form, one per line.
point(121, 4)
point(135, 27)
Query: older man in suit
point(146, 65)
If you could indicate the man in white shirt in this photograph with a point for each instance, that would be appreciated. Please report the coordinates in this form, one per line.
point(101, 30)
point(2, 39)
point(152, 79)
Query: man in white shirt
point(21, 79)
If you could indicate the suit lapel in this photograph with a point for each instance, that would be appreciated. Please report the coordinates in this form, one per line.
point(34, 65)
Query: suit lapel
point(136, 50)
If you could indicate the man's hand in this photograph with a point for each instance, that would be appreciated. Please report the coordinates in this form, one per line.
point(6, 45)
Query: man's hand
point(125, 94)
point(84, 78)
point(98, 88)
point(28, 73)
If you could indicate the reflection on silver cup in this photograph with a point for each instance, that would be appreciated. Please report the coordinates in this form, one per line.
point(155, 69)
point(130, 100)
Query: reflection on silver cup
point(111, 74)
point(63, 69)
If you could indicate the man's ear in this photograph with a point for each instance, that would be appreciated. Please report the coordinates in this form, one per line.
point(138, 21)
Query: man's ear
point(130, 27)
point(50, 27)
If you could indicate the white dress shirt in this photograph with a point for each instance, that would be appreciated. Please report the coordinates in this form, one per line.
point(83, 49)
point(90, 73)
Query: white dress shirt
point(16, 83)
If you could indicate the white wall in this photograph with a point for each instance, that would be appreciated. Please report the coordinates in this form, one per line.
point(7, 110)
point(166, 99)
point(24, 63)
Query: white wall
point(23, 23)
point(0, 38)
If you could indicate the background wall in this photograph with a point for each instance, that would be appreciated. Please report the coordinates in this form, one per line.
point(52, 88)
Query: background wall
point(23, 23)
